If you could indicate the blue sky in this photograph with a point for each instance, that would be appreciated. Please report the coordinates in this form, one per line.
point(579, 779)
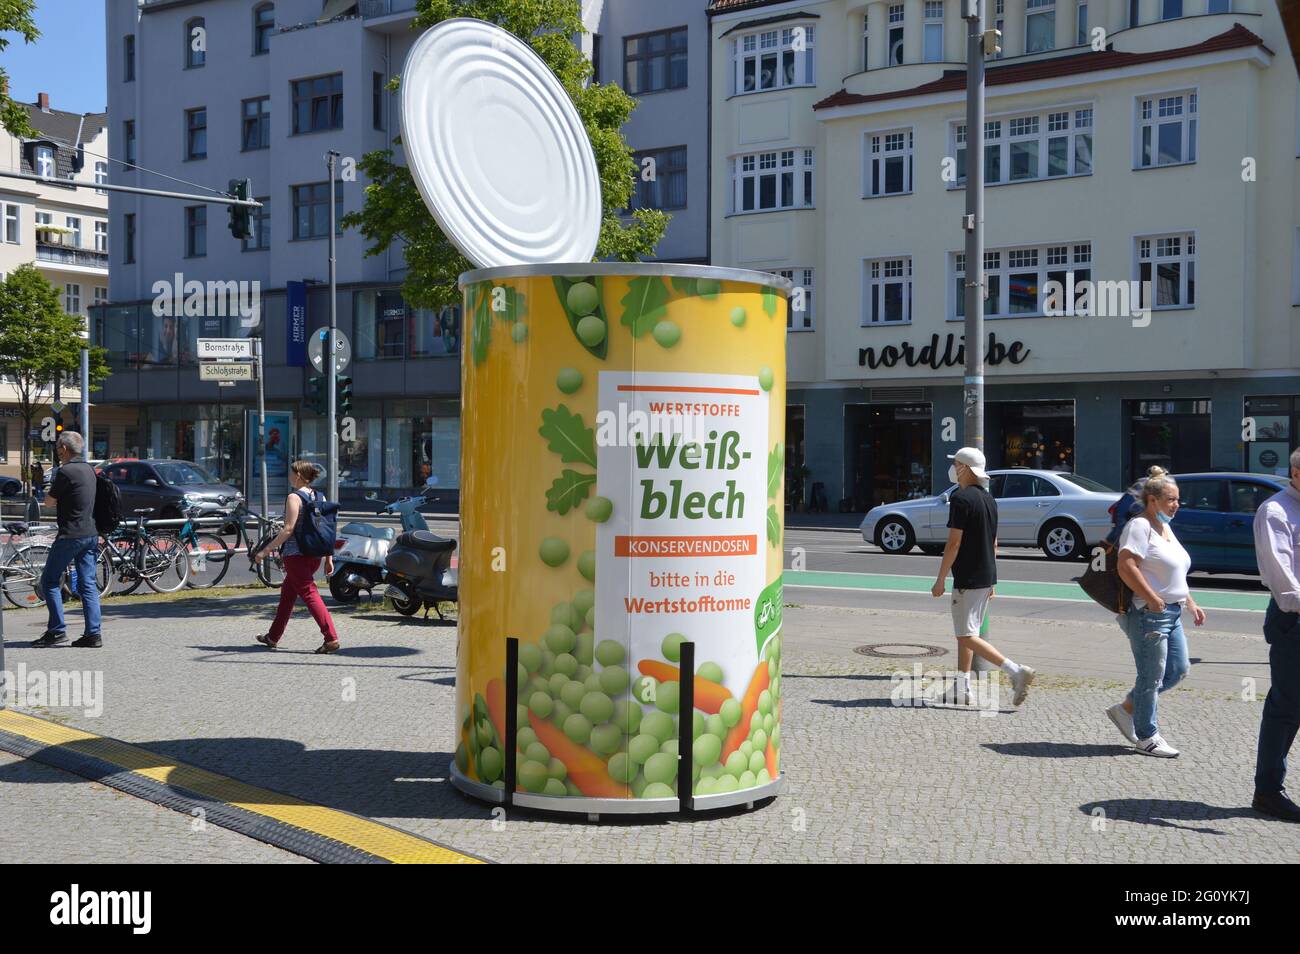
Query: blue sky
point(67, 61)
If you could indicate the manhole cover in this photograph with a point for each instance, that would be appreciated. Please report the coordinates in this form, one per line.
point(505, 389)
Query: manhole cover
point(900, 650)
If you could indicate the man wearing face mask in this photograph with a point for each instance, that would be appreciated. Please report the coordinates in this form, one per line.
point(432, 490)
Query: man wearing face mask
point(1277, 549)
point(971, 556)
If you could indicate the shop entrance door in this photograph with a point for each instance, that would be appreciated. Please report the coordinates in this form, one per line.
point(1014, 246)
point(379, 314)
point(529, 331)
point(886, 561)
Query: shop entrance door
point(888, 453)
point(1173, 434)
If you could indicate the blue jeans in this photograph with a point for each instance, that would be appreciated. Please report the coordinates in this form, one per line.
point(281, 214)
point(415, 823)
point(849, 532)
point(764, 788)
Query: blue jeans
point(1160, 652)
point(66, 550)
point(1281, 718)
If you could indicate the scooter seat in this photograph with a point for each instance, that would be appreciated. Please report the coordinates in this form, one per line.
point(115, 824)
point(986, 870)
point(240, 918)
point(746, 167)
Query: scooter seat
point(426, 540)
point(366, 530)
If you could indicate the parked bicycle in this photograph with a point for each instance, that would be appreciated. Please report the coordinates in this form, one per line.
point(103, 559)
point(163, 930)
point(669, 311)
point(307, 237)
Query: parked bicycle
point(21, 563)
point(132, 555)
point(208, 553)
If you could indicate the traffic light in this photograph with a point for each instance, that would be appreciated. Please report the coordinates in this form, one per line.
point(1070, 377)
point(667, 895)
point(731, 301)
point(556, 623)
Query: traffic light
point(343, 396)
point(241, 216)
point(316, 397)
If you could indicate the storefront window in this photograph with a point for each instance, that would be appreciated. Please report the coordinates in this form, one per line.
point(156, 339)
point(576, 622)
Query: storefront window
point(1034, 434)
point(359, 458)
point(118, 331)
point(1275, 422)
point(796, 491)
point(380, 325)
point(1172, 434)
point(435, 333)
point(888, 453)
point(397, 452)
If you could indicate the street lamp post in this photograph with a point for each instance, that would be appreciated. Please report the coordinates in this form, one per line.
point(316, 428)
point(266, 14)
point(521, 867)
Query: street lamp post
point(331, 348)
point(973, 221)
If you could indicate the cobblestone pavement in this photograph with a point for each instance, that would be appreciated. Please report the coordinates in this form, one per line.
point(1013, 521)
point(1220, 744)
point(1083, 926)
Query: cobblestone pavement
point(369, 730)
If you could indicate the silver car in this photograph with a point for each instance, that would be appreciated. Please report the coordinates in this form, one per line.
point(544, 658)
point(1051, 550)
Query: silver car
point(1063, 514)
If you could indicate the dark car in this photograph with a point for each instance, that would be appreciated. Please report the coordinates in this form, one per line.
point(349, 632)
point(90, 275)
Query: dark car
point(170, 487)
point(1216, 518)
point(10, 486)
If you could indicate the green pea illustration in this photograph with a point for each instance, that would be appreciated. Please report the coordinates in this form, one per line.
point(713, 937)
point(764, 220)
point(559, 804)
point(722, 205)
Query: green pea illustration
point(533, 777)
point(582, 298)
point(668, 697)
point(599, 509)
point(609, 652)
point(489, 764)
point(537, 753)
point(621, 767)
point(708, 287)
point(667, 333)
point(660, 767)
point(587, 565)
point(757, 761)
point(568, 380)
point(746, 780)
point(555, 787)
point(710, 671)
point(578, 728)
point(641, 747)
point(627, 716)
point(541, 704)
point(530, 656)
point(553, 551)
point(660, 725)
point(591, 331)
point(597, 707)
point(584, 600)
point(606, 739)
point(706, 749)
point(658, 790)
point(519, 331)
point(672, 647)
point(572, 693)
point(565, 665)
point(765, 378)
point(614, 680)
point(738, 316)
point(560, 638)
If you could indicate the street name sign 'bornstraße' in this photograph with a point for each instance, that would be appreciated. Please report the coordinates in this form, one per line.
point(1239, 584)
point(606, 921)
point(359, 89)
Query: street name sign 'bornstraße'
point(224, 349)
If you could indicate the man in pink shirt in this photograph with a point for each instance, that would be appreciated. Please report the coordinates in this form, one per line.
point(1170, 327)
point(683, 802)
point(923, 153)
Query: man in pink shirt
point(1277, 549)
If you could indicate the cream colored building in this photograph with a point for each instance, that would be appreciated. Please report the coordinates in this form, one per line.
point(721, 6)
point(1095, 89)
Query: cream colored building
point(63, 230)
point(1126, 141)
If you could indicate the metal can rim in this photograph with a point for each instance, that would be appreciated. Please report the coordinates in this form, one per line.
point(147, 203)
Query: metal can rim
point(662, 269)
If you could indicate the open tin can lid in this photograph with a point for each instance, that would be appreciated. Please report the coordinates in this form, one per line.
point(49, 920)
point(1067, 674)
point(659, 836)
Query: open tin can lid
point(497, 149)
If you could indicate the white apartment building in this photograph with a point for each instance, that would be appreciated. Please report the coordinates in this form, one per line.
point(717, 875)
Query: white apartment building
point(61, 229)
point(1126, 141)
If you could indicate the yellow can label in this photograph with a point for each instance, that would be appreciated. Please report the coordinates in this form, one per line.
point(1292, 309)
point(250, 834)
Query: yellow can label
point(622, 485)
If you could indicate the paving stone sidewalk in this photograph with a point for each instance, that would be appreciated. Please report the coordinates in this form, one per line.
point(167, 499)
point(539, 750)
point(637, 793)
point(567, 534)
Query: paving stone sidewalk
point(369, 730)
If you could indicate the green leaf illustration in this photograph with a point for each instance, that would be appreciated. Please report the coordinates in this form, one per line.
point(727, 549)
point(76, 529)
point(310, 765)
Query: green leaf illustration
point(568, 490)
point(773, 526)
point(482, 322)
point(601, 348)
point(568, 436)
point(684, 286)
point(769, 302)
point(643, 305)
point(775, 462)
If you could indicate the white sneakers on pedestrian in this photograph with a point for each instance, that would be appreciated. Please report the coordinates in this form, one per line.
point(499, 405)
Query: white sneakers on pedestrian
point(956, 694)
point(1020, 684)
point(1156, 746)
point(1123, 721)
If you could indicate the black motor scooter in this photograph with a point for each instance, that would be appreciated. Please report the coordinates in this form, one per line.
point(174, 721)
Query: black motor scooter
point(419, 572)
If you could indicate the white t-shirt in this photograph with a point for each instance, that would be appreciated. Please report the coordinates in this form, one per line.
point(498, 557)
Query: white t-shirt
point(1162, 563)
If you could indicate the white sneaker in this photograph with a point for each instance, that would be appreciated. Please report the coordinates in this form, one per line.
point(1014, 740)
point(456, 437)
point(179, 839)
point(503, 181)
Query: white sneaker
point(955, 694)
point(1123, 721)
point(1156, 746)
point(1020, 685)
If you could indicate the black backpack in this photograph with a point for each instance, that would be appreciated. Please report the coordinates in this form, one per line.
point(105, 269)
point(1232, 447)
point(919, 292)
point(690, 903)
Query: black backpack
point(317, 527)
point(108, 505)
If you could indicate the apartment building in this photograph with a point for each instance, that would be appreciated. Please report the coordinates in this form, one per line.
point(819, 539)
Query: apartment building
point(1150, 142)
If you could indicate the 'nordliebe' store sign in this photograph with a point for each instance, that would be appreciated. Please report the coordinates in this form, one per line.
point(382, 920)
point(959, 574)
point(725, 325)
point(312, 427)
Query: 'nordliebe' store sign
point(950, 353)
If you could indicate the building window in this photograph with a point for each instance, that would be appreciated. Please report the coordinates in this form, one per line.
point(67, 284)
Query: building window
point(1044, 145)
point(128, 246)
point(45, 161)
point(196, 133)
point(1169, 263)
point(12, 231)
point(1166, 130)
point(660, 178)
point(799, 316)
point(773, 59)
point(1014, 278)
point(888, 297)
point(1171, 9)
point(1220, 6)
point(196, 231)
point(377, 100)
point(101, 295)
point(263, 27)
point(866, 43)
point(128, 141)
point(311, 214)
point(933, 35)
point(655, 61)
point(101, 236)
point(72, 298)
point(261, 221)
point(766, 181)
point(196, 43)
point(128, 58)
point(1082, 25)
point(73, 224)
point(255, 127)
point(317, 103)
point(101, 176)
point(1000, 26)
point(1134, 13)
point(889, 163)
point(895, 35)
point(1040, 25)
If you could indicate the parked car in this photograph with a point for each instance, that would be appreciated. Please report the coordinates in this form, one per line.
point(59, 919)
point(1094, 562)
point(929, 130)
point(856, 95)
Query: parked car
point(1216, 518)
point(1062, 514)
point(170, 487)
point(10, 486)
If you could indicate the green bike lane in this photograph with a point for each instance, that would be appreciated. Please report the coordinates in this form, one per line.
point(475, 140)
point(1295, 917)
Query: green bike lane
point(1016, 589)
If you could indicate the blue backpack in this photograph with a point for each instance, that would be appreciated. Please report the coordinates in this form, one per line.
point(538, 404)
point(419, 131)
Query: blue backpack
point(317, 527)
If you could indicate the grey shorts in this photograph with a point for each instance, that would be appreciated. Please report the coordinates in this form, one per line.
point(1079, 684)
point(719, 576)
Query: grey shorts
point(968, 608)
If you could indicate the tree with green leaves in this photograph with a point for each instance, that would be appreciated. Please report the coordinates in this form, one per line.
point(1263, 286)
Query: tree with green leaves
point(395, 211)
point(16, 16)
point(39, 343)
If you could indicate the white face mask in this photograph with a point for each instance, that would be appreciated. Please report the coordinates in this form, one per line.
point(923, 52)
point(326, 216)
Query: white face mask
point(952, 473)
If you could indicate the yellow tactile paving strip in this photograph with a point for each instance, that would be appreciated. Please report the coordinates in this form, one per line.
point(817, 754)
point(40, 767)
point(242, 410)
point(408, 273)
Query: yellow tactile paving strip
point(374, 838)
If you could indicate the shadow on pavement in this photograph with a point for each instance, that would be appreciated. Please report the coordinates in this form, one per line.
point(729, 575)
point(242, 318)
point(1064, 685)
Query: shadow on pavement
point(1167, 813)
point(1057, 750)
point(873, 703)
point(860, 676)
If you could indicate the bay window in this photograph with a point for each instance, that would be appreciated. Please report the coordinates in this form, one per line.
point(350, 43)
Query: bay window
point(773, 59)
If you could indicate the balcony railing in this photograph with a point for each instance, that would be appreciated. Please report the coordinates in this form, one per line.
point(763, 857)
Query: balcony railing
point(65, 255)
point(382, 8)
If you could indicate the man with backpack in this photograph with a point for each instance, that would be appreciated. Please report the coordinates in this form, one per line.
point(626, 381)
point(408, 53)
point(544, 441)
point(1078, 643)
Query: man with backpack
point(73, 493)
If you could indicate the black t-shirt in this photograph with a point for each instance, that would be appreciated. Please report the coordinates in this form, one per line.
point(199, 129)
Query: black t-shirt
point(974, 512)
point(74, 494)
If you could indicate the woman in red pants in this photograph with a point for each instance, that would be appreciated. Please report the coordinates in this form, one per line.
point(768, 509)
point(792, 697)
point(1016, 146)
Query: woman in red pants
point(299, 570)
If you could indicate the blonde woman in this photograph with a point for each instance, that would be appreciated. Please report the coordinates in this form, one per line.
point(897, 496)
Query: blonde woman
point(1154, 565)
point(300, 570)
